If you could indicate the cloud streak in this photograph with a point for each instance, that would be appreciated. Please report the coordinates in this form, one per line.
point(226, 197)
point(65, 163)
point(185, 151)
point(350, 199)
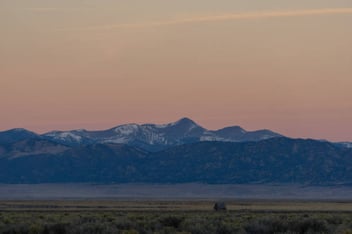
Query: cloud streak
point(226, 17)
point(52, 9)
point(43, 9)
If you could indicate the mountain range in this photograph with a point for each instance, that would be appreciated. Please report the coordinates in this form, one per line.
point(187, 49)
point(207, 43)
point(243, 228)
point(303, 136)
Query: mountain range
point(176, 152)
point(150, 137)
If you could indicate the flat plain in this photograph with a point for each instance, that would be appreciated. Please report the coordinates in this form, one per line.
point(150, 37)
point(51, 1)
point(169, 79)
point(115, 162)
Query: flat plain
point(240, 205)
point(186, 216)
point(174, 208)
point(189, 191)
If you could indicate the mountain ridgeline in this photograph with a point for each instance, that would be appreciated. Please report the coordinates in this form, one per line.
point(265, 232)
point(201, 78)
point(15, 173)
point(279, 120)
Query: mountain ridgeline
point(154, 137)
point(179, 152)
point(150, 137)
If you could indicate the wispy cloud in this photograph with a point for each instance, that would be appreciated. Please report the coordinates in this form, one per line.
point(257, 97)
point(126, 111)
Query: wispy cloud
point(52, 9)
point(225, 17)
point(42, 9)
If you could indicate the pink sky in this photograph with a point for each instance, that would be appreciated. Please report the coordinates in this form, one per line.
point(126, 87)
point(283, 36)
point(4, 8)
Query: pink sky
point(281, 65)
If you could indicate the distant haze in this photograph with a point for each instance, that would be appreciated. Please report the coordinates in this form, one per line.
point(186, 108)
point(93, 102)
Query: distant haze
point(171, 192)
point(278, 64)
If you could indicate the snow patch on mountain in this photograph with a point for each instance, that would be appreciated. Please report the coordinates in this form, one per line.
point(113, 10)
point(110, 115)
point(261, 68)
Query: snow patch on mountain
point(159, 126)
point(127, 129)
point(346, 144)
point(159, 136)
point(64, 136)
point(213, 138)
point(265, 137)
point(120, 140)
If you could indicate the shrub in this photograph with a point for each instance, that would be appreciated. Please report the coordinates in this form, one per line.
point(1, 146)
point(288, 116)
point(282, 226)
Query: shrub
point(172, 221)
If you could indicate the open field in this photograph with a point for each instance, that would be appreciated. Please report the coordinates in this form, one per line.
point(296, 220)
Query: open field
point(170, 206)
point(112, 216)
point(176, 208)
point(192, 191)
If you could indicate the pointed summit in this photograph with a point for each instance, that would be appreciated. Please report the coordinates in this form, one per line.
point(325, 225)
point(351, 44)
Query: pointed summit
point(185, 119)
point(185, 122)
point(185, 128)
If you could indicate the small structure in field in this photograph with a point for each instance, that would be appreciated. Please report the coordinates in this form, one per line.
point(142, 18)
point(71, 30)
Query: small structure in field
point(220, 206)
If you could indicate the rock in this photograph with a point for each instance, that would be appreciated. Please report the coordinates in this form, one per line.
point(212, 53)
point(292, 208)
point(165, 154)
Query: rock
point(219, 206)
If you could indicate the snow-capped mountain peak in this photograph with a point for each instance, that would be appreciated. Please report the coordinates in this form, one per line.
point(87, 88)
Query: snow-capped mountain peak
point(158, 136)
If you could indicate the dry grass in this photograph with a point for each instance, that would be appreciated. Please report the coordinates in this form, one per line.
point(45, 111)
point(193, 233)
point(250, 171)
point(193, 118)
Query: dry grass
point(118, 205)
point(116, 216)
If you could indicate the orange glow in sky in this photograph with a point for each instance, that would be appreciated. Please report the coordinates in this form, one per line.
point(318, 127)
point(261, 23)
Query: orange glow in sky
point(276, 64)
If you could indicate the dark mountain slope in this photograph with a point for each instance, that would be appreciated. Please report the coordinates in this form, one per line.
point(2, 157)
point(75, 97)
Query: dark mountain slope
point(93, 163)
point(277, 160)
point(17, 134)
point(32, 146)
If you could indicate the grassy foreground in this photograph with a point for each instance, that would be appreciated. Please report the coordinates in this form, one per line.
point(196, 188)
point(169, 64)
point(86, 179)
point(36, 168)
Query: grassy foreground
point(174, 217)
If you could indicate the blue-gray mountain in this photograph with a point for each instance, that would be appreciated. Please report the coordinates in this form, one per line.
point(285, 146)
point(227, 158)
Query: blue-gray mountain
point(151, 137)
point(276, 160)
point(172, 153)
point(17, 134)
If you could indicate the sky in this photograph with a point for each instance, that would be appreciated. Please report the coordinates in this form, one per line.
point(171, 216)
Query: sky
point(282, 65)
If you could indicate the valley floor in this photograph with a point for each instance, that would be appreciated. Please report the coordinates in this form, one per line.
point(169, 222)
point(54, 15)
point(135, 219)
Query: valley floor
point(196, 216)
point(190, 191)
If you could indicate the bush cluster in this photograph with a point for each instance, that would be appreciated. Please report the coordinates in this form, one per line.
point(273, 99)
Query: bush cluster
point(172, 222)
